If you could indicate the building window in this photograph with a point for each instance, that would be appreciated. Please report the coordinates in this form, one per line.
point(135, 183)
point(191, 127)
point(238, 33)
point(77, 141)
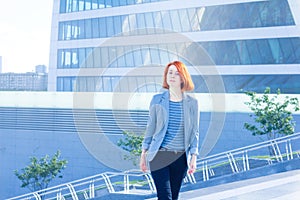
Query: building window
point(67, 6)
point(232, 16)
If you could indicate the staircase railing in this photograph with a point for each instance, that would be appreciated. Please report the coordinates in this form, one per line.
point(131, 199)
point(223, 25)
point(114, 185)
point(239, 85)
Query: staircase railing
point(229, 162)
point(250, 157)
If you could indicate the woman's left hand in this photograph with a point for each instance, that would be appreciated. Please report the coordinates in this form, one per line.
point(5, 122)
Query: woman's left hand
point(192, 165)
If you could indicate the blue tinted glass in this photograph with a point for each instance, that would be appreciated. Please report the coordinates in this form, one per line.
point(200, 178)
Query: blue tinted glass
point(276, 50)
point(59, 84)
point(101, 3)
point(97, 57)
point(88, 28)
point(141, 23)
point(95, 25)
point(81, 58)
point(288, 84)
point(137, 55)
point(175, 21)
point(243, 53)
point(231, 16)
point(67, 84)
point(166, 20)
point(81, 29)
point(155, 57)
point(74, 62)
point(296, 44)
point(60, 55)
point(121, 58)
point(107, 84)
point(184, 20)
point(117, 25)
point(287, 50)
point(158, 20)
point(109, 26)
point(75, 6)
point(62, 6)
point(125, 26)
point(88, 5)
point(149, 23)
point(89, 57)
point(81, 5)
point(246, 15)
point(95, 4)
point(129, 59)
point(102, 27)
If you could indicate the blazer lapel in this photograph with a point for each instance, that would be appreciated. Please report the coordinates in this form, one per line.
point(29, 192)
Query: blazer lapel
point(186, 119)
point(165, 105)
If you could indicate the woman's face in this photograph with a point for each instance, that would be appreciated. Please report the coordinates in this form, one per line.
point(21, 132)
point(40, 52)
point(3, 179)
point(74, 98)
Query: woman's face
point(173, 77)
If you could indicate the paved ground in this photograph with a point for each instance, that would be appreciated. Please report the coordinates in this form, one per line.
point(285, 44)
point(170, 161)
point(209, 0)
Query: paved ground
point(280, 186)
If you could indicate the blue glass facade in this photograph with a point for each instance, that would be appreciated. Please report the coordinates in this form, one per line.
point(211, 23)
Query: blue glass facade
point(266, 51)
point(233, 16)
point(238, 52)
point(67, 6)
point(288, 84)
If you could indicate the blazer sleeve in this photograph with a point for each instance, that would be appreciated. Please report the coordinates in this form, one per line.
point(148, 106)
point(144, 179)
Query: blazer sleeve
point(151, 125)
point(195, 130)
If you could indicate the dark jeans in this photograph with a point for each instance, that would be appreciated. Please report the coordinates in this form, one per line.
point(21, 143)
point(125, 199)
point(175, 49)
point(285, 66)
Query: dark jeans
point(168, 170)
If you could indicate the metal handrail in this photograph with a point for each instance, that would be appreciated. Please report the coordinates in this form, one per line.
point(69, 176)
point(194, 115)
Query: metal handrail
point(89, 184)
point(231, 158)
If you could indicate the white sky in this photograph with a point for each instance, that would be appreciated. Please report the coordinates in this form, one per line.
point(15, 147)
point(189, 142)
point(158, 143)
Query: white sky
point(25, 29)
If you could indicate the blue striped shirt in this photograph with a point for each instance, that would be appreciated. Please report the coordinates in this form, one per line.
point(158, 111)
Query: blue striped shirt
point(174, 139)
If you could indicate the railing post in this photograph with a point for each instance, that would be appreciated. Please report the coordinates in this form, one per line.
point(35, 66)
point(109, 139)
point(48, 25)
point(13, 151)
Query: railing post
point(108, 183)
point(150, 182)
point(92, 189)
point(58, 195)
point(73, 192)
point(232, 163)
point(246, 161)
point(288, 149)
point(37, 196)
point(126, 183)
point(205, 171)
point(277, 151)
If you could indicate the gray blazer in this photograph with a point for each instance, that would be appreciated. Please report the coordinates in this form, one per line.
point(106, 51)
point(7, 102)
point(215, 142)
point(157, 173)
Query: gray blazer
point(158, 123)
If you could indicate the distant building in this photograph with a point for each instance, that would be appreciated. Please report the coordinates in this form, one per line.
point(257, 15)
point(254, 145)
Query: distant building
point(41, 69)
point(29, 81)
point(0, 64)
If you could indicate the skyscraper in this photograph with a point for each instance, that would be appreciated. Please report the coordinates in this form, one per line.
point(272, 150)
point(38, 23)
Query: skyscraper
point(98, 45)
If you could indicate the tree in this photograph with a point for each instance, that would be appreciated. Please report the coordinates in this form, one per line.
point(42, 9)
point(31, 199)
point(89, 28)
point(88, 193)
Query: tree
point(272, 116)
point(133, 144)
point(40, 172)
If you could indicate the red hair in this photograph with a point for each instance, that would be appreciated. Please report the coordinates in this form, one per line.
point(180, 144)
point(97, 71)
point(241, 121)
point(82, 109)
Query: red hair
point(187, 83)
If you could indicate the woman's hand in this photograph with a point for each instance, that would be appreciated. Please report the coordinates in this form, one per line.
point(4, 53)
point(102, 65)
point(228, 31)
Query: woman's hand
point(192, 165)
point(143, 164)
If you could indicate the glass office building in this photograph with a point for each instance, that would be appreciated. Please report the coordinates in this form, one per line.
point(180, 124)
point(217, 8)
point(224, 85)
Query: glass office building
point(251, 44)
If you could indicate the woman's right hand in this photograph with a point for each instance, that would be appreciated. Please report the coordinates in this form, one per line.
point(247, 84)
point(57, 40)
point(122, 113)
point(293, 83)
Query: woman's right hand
point(143, 164)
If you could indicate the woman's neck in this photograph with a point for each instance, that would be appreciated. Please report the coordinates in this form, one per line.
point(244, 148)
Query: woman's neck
point(175, 94)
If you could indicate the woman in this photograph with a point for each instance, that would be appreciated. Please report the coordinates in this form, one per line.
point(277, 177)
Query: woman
point(171, 139)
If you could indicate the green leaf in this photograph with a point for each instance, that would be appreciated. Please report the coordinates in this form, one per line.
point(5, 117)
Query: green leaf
point(271, 116)
point(40, 172)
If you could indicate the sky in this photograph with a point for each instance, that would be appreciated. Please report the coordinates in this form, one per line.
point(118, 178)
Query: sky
point(25, 29)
